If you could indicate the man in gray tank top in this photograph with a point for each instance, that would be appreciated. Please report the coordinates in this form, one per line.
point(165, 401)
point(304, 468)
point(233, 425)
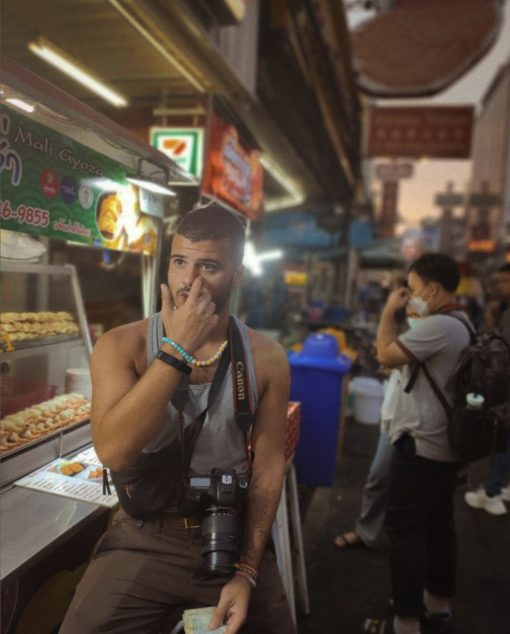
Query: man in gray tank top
point(153, 386)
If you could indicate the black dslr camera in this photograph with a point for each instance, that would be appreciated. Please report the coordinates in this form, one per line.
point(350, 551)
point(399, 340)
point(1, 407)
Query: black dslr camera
point(219, 498)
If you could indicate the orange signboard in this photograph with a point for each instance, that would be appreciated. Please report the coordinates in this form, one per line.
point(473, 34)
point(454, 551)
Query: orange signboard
point(414, 132)
point(233, 172)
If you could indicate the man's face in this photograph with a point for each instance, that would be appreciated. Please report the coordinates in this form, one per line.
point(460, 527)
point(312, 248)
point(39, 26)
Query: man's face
point(503, 285)
point(418, 287)
point(209, 259)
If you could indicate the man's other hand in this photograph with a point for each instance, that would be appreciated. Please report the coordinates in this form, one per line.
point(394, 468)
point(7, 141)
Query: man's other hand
point(233, 605)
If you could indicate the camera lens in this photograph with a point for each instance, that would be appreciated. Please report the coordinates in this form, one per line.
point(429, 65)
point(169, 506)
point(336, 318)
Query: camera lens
point(221, 541)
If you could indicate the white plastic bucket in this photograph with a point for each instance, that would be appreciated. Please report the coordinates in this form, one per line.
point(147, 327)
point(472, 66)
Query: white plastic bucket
point(368, 398)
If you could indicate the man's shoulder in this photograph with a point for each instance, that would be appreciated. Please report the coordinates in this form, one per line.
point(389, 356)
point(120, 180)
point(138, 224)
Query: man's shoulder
point(455, 320)
point(263, 344)
point(266, 351)
point(130, 338)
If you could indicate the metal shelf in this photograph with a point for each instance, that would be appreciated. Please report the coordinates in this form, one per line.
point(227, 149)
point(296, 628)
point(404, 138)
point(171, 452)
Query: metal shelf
point(48, 345)
point(56, 352)
point(18, 462)
point(67, 270)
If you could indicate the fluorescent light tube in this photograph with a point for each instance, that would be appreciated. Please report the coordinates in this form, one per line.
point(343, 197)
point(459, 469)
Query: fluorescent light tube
point(152, 187)
point(22, 105)
point(66, 64)
point(295, 195)
point(275, 254)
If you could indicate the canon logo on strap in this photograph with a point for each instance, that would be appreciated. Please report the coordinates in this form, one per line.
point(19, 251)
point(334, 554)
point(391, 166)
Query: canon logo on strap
point(241, 393)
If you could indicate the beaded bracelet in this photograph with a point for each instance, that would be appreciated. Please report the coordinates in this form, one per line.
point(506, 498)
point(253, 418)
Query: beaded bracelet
point(247, 569)
point(241, 564)
point(185, 355)
point(247, 576)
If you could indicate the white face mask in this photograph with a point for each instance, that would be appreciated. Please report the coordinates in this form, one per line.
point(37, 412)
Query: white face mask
point(419, 306)
point(412, 321)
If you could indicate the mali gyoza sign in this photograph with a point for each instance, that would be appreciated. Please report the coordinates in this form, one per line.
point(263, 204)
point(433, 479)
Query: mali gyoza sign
point(53, 186)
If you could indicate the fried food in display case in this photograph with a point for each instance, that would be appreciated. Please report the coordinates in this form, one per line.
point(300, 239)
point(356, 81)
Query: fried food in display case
point(37, 325)
point(40, 420)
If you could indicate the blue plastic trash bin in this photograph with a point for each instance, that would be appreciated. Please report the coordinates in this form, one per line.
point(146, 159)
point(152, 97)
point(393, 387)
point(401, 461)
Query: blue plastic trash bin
point(317, 373)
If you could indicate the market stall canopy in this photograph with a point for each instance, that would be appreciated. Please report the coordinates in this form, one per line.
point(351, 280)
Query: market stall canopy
point(419, 48)
point(379, 254)
point(75, 118)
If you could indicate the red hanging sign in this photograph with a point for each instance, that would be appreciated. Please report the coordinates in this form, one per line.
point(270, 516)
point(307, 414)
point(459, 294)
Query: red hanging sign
point(233, 173)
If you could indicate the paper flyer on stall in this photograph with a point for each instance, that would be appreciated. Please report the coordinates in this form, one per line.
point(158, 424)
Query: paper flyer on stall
point(72, 478)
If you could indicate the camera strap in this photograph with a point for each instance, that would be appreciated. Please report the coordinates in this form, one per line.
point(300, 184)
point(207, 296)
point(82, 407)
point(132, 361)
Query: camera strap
point(242, 398)
point(243, 409)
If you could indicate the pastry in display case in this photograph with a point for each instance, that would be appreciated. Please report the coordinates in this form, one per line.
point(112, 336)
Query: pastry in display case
point(30, 326)
point(40, 420)
point(44, 364)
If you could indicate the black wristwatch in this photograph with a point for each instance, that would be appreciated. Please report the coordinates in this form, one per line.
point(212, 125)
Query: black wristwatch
point(175, 363)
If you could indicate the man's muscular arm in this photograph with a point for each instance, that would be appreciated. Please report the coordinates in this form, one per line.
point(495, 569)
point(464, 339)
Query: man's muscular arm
point(267, 479)
point(268, 473)
point(127, 411)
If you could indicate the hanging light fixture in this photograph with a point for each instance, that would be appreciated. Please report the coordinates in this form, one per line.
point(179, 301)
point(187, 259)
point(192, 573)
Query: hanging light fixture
point(65, 63)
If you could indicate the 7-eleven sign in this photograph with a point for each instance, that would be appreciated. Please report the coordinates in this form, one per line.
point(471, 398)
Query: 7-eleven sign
point(184, 146)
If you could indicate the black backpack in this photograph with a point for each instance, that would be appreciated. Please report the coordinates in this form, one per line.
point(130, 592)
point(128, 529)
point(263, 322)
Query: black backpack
point(483, 369)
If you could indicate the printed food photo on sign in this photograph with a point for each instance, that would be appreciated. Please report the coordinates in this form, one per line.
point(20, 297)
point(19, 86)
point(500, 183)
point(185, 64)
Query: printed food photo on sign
point(77, 470)
point(139, 229)
point(108, 215)
point(67, 468)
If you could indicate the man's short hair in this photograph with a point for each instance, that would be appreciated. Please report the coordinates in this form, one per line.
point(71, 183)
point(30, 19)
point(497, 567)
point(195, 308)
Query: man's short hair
point(437, 267)
point(214, 222)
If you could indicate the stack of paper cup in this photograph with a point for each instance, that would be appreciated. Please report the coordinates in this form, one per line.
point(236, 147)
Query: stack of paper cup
point(78, 380)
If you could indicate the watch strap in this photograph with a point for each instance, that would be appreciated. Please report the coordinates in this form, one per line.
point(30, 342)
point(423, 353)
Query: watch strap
point(173, 362)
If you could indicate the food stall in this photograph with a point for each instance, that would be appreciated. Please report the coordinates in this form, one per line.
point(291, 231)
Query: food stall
point(68, 174)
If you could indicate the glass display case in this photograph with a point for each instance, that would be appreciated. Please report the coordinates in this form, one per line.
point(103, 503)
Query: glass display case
point(44, 365)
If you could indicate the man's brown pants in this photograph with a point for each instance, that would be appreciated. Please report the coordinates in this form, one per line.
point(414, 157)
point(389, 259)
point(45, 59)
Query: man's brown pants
point(142, 572)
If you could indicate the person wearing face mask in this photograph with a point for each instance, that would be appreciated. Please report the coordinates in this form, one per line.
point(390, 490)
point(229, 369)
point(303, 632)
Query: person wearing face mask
point(419, 512)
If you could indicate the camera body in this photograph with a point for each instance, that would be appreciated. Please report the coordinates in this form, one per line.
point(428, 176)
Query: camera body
point(219, 498)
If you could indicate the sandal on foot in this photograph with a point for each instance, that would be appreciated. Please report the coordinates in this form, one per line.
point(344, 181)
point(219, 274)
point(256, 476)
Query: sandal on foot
point(348, 540)
point(378, 626)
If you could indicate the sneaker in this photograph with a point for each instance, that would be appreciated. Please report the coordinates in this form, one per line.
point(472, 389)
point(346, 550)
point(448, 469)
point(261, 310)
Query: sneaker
point(480, 500)
point(505, 494)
